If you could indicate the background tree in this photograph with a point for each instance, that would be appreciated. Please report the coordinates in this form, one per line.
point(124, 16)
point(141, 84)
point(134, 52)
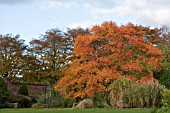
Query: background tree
point(32, 72)
point(106, 54)
point(53, 51)
point(160, 38)
point(50, 55)
point(73, 33)
point(11, 55)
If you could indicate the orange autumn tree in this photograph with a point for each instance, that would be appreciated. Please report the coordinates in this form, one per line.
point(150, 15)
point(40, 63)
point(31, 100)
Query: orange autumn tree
point(109, 52)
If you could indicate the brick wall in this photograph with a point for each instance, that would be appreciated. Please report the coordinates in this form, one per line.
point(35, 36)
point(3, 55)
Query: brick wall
point(32, 88)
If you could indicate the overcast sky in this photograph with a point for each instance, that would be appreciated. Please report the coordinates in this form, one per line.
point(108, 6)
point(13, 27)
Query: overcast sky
point(30, 18)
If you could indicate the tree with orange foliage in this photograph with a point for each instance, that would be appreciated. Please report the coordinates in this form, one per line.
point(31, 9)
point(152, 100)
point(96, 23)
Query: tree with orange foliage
point(109, 52)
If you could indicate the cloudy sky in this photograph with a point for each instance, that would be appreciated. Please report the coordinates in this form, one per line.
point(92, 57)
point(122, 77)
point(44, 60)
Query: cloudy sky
point(30, 18)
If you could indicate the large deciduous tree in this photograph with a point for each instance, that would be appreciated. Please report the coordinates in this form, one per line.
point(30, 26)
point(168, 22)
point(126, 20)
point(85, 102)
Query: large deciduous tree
point(11, 55)
point(48, 56)
point(53, 51)
point(109, 52)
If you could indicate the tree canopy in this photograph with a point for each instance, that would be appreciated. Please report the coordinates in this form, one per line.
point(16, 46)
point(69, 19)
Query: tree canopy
point(110, 51)
point(84, 62)
point(11, 55)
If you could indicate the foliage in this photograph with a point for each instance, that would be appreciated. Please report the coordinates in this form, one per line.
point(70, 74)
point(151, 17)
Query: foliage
point(48, 56)
point(109, 52)
point(125, 93)
point(22, 101)
point(143, 94)
point(32, 73)
point(163, 109)
point(73, 33)
point(122, 83)
point(23, 90)
point(163, 77)
point(117, 89)
point(3, 86)
point(3, 93)
point(8, 105)
point(166, 97)
point(54, 99)
point(160, 38)
point(50, 99)
point(52, 52)
point(101, 100)
point(11, 55)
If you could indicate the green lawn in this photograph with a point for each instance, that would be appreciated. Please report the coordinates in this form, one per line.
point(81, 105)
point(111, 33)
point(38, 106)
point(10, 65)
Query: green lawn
point(101, 110)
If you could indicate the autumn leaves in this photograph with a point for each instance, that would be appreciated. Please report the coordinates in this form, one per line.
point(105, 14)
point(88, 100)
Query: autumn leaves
point(110, 51)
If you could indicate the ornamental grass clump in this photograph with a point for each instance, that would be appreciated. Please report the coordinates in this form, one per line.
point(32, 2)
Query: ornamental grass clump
point(117, 89)
point(143, 94)
point(135, 94)
point(54, 99)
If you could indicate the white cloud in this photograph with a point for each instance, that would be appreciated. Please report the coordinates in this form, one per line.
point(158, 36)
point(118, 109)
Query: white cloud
point(54, 4)
point(106, 12)
point(85, 24)
point(147, 12)
point(157, 18)
point(152, 12)
point(69, 5)
point(44, 4)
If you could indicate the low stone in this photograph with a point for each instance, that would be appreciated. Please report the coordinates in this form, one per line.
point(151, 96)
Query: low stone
point(86, 103)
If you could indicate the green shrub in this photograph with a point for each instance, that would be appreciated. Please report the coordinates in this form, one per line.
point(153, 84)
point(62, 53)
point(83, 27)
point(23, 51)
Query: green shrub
point(8, 105)
point(22, 100)
point(23, 90)
point(165, 102)
point(163, 77)
point(120, 84)
point(3, 92)
point(101, 100)
point(39, 106)
point(3, 86)
point(166, 97)
point(163, 109)
point(54, 99)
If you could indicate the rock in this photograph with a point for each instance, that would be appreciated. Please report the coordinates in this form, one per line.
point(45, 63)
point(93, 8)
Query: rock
point(121, 104)
point(86, 103)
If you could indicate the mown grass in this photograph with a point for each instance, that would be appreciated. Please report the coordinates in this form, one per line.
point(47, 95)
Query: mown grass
point(67, 110)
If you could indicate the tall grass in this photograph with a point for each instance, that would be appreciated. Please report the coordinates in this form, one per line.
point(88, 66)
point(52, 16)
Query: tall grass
point(54, 99)
point(142, 95)
point(125, 93)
